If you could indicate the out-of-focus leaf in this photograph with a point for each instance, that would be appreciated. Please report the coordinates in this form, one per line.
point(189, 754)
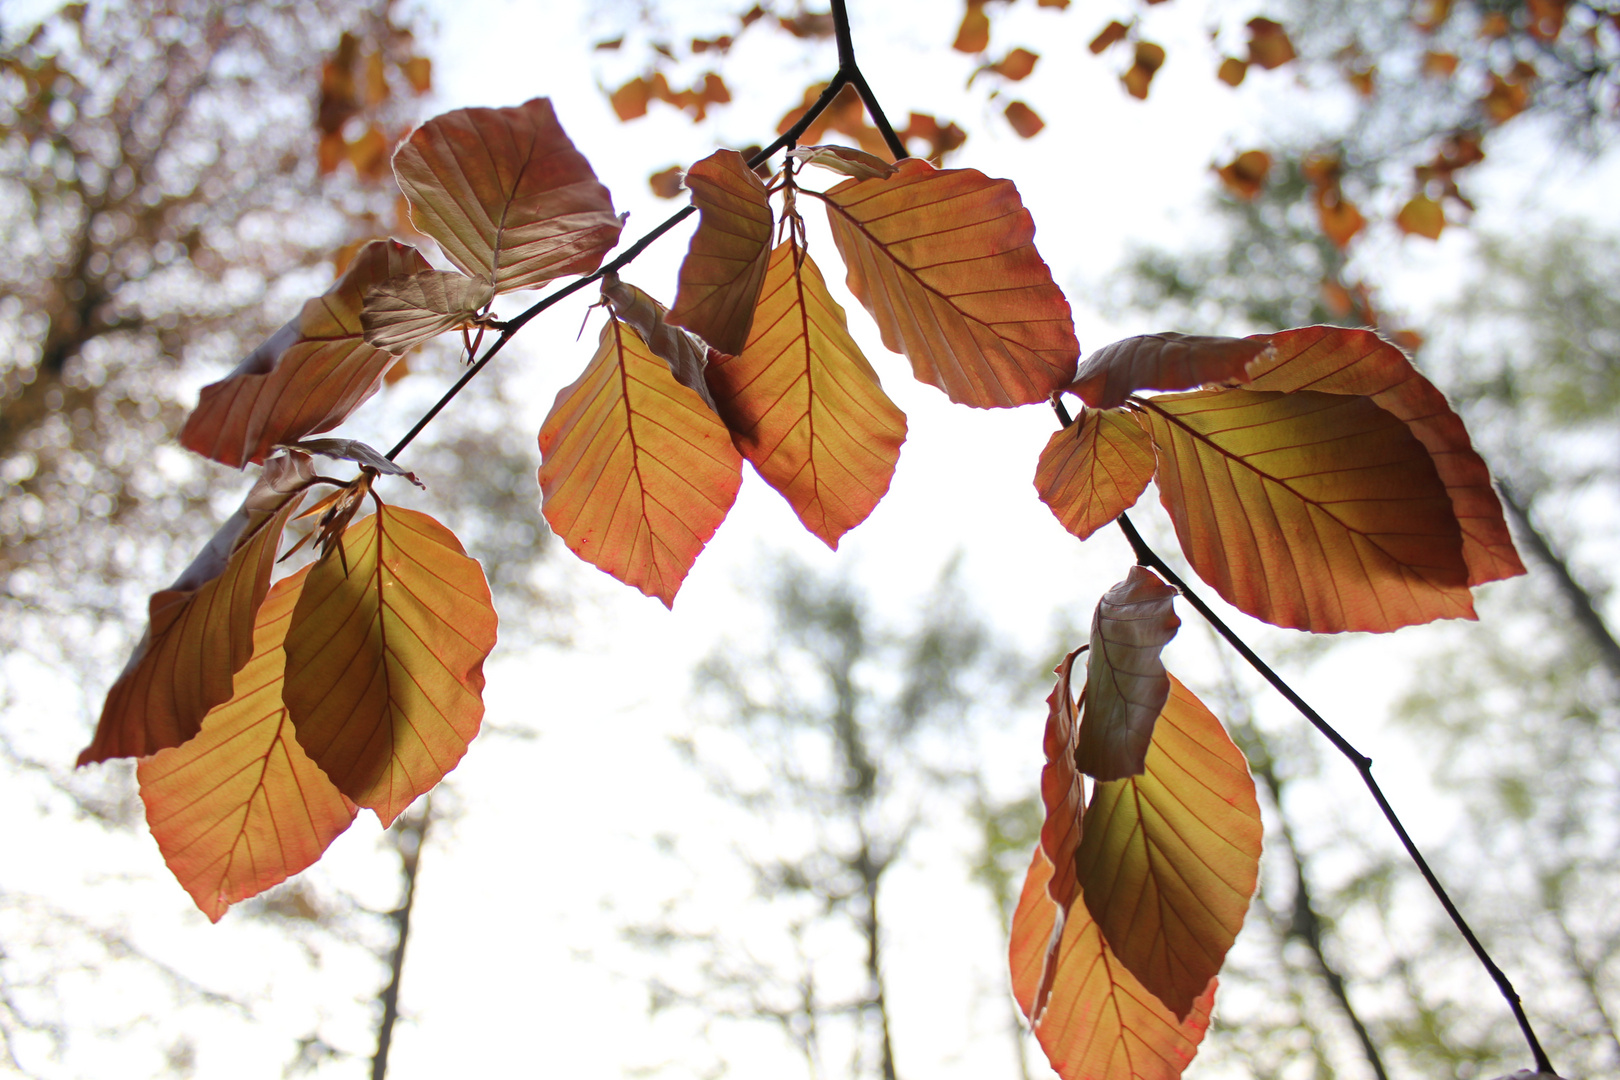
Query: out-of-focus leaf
point(845, 160)
point(668, 183)
point(1063, 798)
point(945, 261)
point(1546, 18)
point(1309, 510)
point(1100, 1022)
point(725, 264)
point(1232, 71)
point(1162, 362)
point(1439, 65)
point(1335, 360)
point(1016, 65)
point(1505, 100)
point(686, 354)
point(402, 313)
point(1126, 684)
point(1024, 120)
point(1423, 216)
point(630, 101)
point(1341, 221)
point(1148, 59)
point(973, 36)
point(506, 195)
point(418, 71)
point(803, 404)
point(1094, 470)
point(636, 471)
point(1268, 44)
point(1245, 175)
point(200, 629)
point(385, 659)
point(356, 451)
point(241, 807)
point(1114, 32)
point(1169, 859)
point(309, 376)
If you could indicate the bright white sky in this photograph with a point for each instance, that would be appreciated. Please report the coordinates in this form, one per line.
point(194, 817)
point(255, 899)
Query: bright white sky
point(514, 966)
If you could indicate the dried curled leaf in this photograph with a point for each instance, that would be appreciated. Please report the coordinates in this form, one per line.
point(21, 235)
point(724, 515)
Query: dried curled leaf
point(845, 160)
point(385, 659)
point(356, 451)
point(725, 263)
point(945, 261)
point(1063, 797)
point(1094, 469)
point(309, 376)
point(1126, 684)
point(805, 407)
point(402, 313)
point(1162, 362)
point(506, 195)
point(241, 807)
point(686, 354)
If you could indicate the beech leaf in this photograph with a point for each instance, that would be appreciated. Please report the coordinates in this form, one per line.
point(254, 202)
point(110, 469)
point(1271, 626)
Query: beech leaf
point(506, 195)
point(200, 629)
point(803, 404)
point(636, 471)
point(1162, 362)
point(385, 659)
point(945, 261)
point(1126, 684)
point(402, 313)
point(1100, 1023)
point(845, 160)
point(1169, 859)
point(1094, 469)
point(309, 376)
point(1335, 360)
point(1314, 511)
point(725, 263)
point(1063, 797)
point(241, 807)
point(686, 354)
point(356, 451)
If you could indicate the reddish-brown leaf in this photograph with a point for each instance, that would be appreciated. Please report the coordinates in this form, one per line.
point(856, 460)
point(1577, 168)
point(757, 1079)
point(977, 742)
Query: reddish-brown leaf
point(1115, 31)
point(1423, 216)
point(1149, 58)
point(1245, 175)
point(402, 313)
point(309, 376)
point(1505, 100)
point(1341, 221)
point(1063, 797)
point(385, 658)
point(973, 36)
point(241, 807)
point(1169, 859)
point(506, 195)
point(725, 264)
point(1016, 65)
point(1094, 470)
point(1162, 362)
point(1024, 120)
point(1100, 1022)
point(667, 183)
point(1126, 684)
point(1335, 360)
point(1268, 44)
point(1439, 65)
point(1309, 510)
point(845, 160)
point(803, 404)
point(636, 471)
point(1232, 71)
point(945, 261)
point(200, 629)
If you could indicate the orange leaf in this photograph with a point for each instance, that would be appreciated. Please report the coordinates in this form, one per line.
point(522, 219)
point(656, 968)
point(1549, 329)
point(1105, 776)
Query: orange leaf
point(1016, 65)
point(1169, 859)
point(309, 376)
point(1063, 796)
point(1313, 511)
point(506, 195)
point(1505, 100)
point(725, 264)
point(667, 183)
point(805, 407)
point(945, 261)
point(1094, 470)
point(686, 354)
point(1339, 361)
point(1149, 59)
point(1115, 31)
point(1126, 685)
point(241, 807)
point(1100, 1023)
point(630, 101)
point(1162, 362)
point(1024, 120)
point(973, 36)
point(200, 629)
point(385, 659)
point(1440, 65)
point(1268, 44)
point(401, 313)
point(1245, 175)
point(1341, 221)
point(1423, 216)
point(418, 71)
point(636, 472)
point(1232, 71)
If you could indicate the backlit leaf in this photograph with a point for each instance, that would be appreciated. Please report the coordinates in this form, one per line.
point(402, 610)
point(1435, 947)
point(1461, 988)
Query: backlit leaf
point(506, 195)
point(721, 275)
point(636, 471)
point(309, 376)
point(1268, 44)
point(1340, 219)
point(1100, 1022)
point(385, 658)
point(803, 404)
point(1335, 360)
point(1016, 65)
point(1115, 31)
point(402, 313)
point(1094, 470)
point(356, 451)
point(1147, 61)
point(1168, 860)
point(686, 354)
point(1232, 71)
point(1423, 216)
point(945, 261)
point(241, 807)
point(1024, 120)
point(1063, 798)
point(200, 629)
point(1162, 362)
point(1126, 684)
point(1314, 511)
point(1245, 175)
point(845, 160)
point(973, 36)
